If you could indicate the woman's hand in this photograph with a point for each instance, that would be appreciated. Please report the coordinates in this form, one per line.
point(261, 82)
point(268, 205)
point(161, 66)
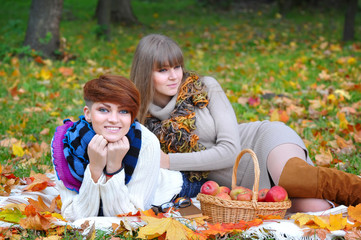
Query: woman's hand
point(164, 160)
point(116, 153)
point(97, 152)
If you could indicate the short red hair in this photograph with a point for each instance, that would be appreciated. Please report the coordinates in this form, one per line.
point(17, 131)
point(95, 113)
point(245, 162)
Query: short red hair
point(114, 89)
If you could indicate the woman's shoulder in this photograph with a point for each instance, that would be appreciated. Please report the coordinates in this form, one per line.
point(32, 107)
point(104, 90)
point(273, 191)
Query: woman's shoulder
point(148, 138)
point(209, 81)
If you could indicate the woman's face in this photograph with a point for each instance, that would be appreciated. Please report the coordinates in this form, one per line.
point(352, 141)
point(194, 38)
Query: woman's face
point(166, 81)
point(109, 120)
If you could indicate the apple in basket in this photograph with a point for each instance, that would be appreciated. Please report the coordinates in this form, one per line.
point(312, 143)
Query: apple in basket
point(210, 188)
point(276, 194)
point(224, 189)
point(262, 194)
point(240, 190)
point(224, 195)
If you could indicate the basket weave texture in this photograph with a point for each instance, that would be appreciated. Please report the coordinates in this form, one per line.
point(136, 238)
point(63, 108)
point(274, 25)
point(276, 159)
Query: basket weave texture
point(221, 210)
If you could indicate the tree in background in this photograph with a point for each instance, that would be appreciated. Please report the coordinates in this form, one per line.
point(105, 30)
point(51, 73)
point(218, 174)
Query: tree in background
point(350, 16)
point(103, 17)
point(122, 12)
point(42, 32)
point(113, 11)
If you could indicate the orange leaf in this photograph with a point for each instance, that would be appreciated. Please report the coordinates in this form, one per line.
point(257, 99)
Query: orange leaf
point(30, 210)
point(355, 212)
point(40, 206)
point(242, 225)
point(37, 222)
point(269, 217)
point(66, 72)
point(38, 182)
point(38, 59)
point(36, 186)
point(214, 229)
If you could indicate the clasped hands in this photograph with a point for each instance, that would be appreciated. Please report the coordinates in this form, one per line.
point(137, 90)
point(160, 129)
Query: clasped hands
point(103, 154)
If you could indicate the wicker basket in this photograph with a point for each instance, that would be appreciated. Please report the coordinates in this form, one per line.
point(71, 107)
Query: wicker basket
point(231, 211)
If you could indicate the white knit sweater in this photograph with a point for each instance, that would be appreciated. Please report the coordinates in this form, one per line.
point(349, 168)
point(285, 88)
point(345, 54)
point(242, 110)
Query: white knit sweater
point(148, 185)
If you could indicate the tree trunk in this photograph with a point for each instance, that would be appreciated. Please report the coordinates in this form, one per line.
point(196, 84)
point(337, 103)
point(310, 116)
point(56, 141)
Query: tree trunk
point(42, 33)
point(122, 12)
point(349, 24)
point(103, 16)
point(284, 6)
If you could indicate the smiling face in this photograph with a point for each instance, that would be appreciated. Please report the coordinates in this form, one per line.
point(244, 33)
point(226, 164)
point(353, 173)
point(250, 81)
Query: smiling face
point(166, 82)
point(109, 120)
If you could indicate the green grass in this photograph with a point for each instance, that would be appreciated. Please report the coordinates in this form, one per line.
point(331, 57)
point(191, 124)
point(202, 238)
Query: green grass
point(249, 52)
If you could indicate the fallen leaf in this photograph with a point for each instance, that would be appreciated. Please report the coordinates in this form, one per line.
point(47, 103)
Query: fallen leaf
point(158, 226)
point(355, 212)
point(324, 158)
point(11, 215)
point(321, 233)
point(18, 150)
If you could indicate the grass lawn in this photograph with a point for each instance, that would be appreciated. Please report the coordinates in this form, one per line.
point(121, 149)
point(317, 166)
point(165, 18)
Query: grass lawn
point(291, 68)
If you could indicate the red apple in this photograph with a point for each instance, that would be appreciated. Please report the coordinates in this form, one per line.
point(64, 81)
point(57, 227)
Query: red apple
point(245, 196)
point(224, 189)
point(262, 194)
point(223, 195)
point(237, 190)
point(276, 194)
point(210, 188)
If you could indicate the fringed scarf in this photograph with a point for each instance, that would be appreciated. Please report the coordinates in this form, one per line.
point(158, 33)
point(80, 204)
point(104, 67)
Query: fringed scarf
point(176, 134)
point(70, 155)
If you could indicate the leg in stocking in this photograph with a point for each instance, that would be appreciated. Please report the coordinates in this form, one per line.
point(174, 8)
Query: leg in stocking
point(276, 161)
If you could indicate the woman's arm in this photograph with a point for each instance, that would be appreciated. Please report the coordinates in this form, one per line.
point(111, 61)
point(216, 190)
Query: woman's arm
point(217, 128)
point(83, 204)
point(119, 198)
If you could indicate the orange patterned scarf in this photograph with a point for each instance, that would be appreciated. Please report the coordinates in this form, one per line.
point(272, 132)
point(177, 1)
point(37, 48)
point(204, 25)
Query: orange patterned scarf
point(176, 134)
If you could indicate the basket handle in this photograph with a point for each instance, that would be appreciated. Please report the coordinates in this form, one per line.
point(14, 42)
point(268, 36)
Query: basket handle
point(256, 172)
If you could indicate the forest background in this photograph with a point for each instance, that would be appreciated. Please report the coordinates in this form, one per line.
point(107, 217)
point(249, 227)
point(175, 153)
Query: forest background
point(291, 66)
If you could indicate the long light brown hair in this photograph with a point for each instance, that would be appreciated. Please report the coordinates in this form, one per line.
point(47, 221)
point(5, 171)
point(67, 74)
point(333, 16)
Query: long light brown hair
point(154, 51)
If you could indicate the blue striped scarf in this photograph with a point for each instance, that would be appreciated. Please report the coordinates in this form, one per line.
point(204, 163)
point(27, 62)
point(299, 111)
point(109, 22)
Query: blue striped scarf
point(76, 143)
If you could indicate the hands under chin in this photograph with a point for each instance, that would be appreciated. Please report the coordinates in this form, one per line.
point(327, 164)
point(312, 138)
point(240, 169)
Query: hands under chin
point(116, 153)
point(103, 154)
point(97, 152)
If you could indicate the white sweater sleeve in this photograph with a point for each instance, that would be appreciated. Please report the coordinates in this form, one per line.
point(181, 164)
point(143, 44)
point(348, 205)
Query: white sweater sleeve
point(119, 198)
point(83, 204)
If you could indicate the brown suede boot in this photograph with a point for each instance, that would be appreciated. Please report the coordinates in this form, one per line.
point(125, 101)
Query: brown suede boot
point(305, 181)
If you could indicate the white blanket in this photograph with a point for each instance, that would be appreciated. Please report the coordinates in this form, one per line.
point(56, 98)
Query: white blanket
point(278, 229)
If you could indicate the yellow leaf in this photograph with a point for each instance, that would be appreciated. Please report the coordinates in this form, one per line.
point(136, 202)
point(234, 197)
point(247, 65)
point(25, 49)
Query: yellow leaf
point(275, 116)
point(343, 93)
point(351, 60)
point(321, 221)
point(11, 215)
point(45, 74)
point(158, 226)
point(343, 120)
point(337, 222)
point(18, 150)
point(355, 212)
point(302, 219)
